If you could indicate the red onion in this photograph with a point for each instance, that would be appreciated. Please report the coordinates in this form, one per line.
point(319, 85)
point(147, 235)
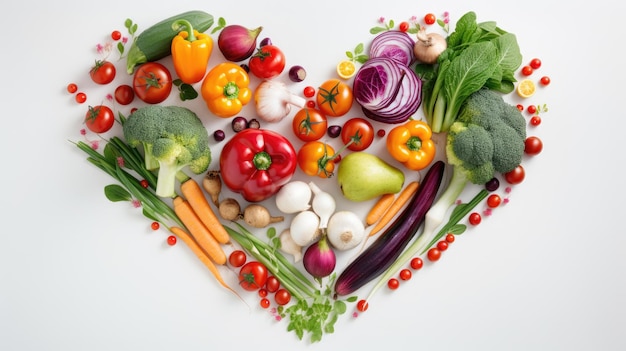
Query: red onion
point(319, 259)
point(393, 44)
point(387, 91)
point(237, 43)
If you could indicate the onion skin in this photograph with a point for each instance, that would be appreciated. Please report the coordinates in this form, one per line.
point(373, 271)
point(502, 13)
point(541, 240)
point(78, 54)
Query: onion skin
point(237, 42)
point(395, 45)
point(319, 259)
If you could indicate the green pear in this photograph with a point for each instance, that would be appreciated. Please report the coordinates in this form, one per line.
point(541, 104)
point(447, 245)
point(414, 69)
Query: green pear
point(363, 176)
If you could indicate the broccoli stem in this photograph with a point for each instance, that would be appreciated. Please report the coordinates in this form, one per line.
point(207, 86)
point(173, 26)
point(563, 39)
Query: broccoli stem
point(166, 186)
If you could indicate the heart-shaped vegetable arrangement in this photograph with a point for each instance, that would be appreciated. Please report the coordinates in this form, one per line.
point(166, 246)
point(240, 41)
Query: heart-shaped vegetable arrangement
point(160, 152)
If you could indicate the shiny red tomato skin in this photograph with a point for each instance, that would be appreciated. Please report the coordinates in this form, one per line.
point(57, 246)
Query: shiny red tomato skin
point(253, 276)
point(533, 146)
point(152, 82)
point(99, 119)
point(359, 132)
point(124, 94)
point(103, 72)
point(515, 176)
point(268, 62)
point(282, 297)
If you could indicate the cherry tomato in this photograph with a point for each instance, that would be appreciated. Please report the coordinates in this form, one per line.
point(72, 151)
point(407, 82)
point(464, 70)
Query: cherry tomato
point(116, 35)
point(535, 120)
point(310, 104)
point(103, 72)
point(520, 107)
point(545, 80)
point(442, 245)
point(155, 225)
point(334, 98)
point(527, 70)
point(144, 184)
point(535, 63)
point(262, 292)
point(72, 88)
point(99, 119)
point(433, 254)
point(405, 274)
point(309, 91)
point(430, 18)
point(315, 158)
point(171, 240)
point(309, 124)
point(381, 133)
point(494, 200)
point(264, 303)
point(124, 94)
point(252, 276)
point(282, 297)
point(268, 62)
point(357, 133)
point(272, 284)
point(152, 82)
point(416, 263)
point(81, 97)
point(475, 218)
point(404, 26)
point(393, 283)
point(237, 258)
point(533, 146)
point(515, 176)
point(362, 305)
point(450, 238)
point(531, 109)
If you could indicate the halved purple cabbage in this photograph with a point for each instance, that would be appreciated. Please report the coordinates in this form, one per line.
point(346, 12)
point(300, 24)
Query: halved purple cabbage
point(387, 90)
point(393, 44)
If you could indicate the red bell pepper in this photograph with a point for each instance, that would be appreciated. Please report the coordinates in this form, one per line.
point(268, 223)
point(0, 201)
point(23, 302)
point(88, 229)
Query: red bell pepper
point(256, 163)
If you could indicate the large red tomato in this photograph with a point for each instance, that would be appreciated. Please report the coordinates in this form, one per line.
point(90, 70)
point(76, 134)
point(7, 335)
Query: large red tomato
point(152, 82)
point(268, 62)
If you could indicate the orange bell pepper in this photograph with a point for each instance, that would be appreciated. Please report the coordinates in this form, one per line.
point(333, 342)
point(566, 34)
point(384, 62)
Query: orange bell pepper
point(191, 51)
point(412, 145)
point(226, 90)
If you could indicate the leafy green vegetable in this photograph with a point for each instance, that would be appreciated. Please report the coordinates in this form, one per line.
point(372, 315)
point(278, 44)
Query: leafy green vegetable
point(478, 55)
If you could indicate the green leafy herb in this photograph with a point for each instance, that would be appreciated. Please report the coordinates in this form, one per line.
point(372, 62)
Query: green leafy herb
point(221, 23)
point(132, 29)
point(186, 91)
point(116, 193)
point(358, 55)
point(385, 26)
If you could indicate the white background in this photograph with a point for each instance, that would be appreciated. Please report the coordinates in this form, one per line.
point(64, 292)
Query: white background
point(545, 272)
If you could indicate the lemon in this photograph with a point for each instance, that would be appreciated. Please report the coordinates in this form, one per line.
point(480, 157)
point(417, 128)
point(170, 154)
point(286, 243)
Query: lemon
point(346, 69)
point(526, 88)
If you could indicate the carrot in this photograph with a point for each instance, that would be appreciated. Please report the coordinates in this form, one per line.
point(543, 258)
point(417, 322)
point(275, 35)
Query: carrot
point(196, 249)
point(200, 233)
point(194, 194)
point(378, 210)
point(404, 196)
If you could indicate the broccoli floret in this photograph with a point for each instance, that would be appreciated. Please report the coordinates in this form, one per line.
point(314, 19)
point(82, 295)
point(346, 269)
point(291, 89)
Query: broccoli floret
point(172, 137)
point(487, 137)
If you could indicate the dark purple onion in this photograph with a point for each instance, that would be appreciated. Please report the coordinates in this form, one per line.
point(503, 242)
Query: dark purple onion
point(239, 123)
point(265, 41)
point(297, 74)
point(319, 259)
point(334, 131)
point(219, 135)
point(237, 43)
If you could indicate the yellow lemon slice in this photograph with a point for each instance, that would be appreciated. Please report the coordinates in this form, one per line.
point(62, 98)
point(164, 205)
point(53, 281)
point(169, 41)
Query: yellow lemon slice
point(526, 88)
point(346, 69)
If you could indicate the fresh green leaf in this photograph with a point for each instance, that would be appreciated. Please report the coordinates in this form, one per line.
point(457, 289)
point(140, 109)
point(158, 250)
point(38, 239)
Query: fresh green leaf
point(457, 229)
point(115, 193)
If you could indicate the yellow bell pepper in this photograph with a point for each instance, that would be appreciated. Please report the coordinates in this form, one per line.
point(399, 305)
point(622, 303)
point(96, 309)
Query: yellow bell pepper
point(191, 51)
point(412, 145)
point(226, 90)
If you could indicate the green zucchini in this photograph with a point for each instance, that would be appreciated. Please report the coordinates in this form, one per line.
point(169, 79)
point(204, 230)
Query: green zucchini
point(155, 42)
